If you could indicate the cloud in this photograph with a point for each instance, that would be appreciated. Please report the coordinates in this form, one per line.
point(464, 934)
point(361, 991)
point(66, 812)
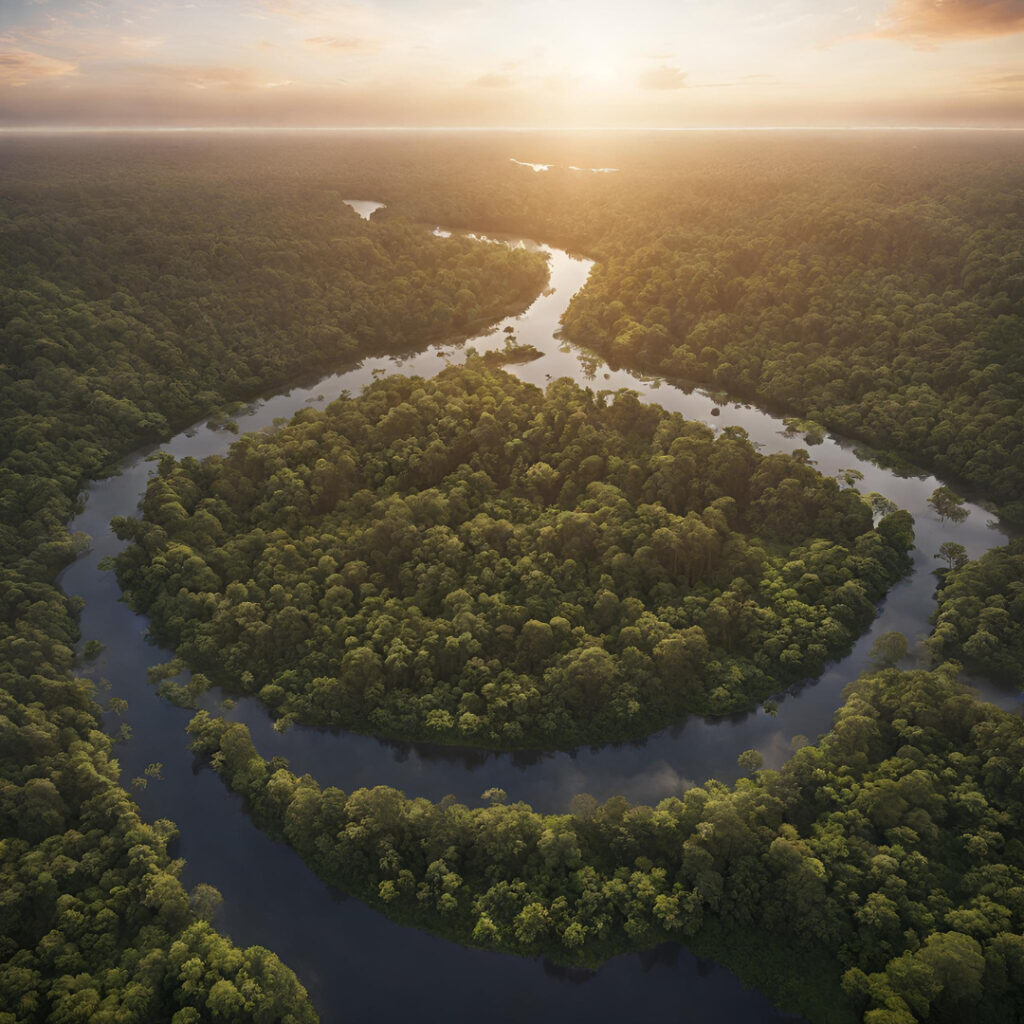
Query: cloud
point(20, 67)
point(494, 81)
point(140, 44)
point(199, 77)
point(664, 77)
point(932, 21)
point(350, 44)
point(1009, 81)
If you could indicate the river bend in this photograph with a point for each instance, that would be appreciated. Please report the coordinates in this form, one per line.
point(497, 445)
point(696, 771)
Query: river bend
point(357, 965)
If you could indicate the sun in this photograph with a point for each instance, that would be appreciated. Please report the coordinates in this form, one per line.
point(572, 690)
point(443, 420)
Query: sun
point(590, 49)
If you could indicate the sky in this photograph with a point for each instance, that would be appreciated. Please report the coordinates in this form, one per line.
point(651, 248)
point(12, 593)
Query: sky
point(519, 63)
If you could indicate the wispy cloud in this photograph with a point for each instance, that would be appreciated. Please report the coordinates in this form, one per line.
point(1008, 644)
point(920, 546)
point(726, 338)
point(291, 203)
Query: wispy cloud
point(935, 21)
point(663, 77)
point(20, 67)
point(1012, 81)
point(474, 62)
point(140, 44)
point(349, 44)
point(227, 78)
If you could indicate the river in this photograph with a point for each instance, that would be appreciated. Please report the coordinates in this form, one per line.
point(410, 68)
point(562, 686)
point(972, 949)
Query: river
point(357, 965)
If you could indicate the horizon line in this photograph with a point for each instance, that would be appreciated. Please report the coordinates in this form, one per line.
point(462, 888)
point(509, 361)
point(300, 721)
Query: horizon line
point(694, 129)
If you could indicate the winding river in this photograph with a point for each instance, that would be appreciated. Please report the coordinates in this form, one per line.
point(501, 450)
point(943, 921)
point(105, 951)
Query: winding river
point(357, 965)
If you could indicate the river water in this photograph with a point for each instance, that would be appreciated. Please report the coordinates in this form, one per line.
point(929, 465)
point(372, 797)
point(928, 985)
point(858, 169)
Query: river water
point(357, 965)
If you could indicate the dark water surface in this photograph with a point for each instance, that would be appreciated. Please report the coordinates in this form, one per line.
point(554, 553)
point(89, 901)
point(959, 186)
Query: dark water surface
point(356, 964)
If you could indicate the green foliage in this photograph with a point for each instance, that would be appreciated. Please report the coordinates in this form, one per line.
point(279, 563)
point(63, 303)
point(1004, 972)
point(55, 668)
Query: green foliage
point(947, 504)
point(866, 291)
point(953, 554)
point(94, 924)
point(468, 558)
point(895, 846)
point(131, 301)
point(874, 287)
point(889, 649)
point(980, 615)
point(92, 650)
point(510, 352)
point(143, 303)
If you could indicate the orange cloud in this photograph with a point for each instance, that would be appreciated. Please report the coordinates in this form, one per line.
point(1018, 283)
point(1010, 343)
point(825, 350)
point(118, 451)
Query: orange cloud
point(664, 77)
point(20, 67)
point(936, 20)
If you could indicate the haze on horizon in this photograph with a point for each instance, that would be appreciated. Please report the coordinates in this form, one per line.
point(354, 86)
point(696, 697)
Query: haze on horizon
point(530, 64)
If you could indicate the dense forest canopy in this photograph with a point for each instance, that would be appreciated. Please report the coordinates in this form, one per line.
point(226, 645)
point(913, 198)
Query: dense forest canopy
point(469, 558)
point(129, 303)
point(872, 284)
point(890, 856)
point(980, 617)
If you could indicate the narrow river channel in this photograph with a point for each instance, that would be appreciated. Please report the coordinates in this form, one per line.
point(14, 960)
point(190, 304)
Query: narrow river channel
point(356, 964)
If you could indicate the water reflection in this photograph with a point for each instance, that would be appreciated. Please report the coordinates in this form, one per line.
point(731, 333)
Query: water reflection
point(366, 208)
point(535, 167)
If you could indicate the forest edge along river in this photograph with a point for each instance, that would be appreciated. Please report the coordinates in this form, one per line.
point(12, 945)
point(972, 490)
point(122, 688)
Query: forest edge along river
point(356, 964)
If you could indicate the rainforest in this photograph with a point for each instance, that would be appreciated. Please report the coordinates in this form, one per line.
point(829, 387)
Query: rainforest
point(428, 579)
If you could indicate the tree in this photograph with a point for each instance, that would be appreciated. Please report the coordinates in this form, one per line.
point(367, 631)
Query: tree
point(881, 506)
point(953, 554)
point(947, 504)
point(889, 649)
